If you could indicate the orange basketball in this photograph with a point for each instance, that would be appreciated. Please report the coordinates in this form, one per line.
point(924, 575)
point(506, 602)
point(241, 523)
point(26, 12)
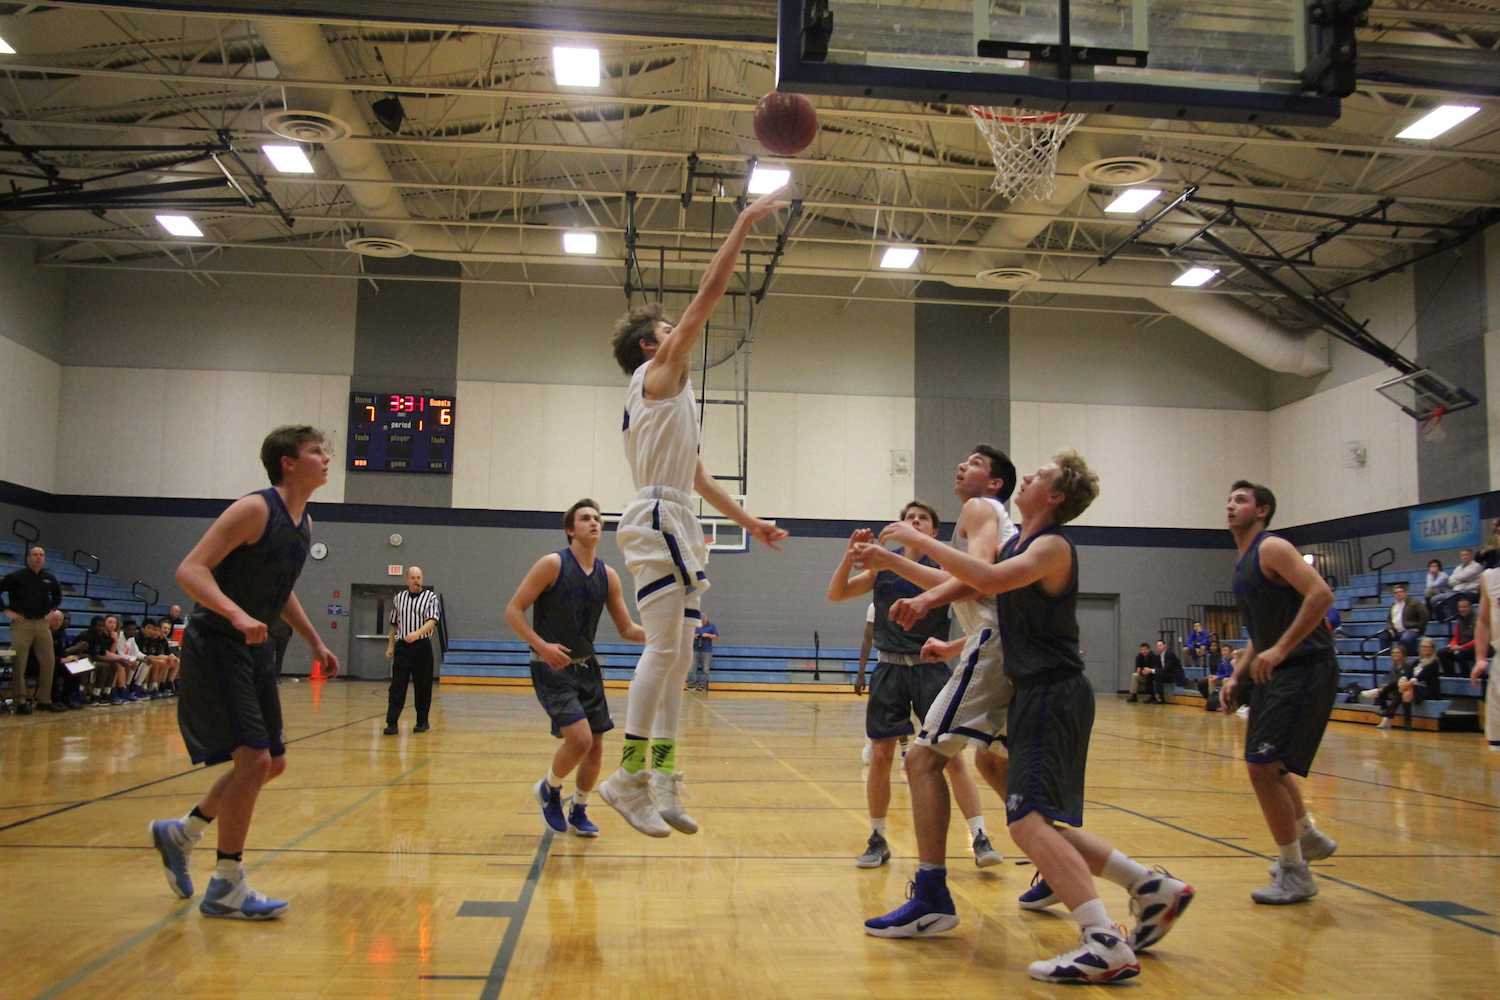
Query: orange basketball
point(785, 123)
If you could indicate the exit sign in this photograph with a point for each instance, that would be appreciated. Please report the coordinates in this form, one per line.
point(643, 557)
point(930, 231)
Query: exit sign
point(394, 569)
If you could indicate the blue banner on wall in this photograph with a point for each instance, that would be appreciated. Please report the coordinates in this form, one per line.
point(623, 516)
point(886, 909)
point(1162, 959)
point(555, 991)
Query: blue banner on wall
point(1451, 526)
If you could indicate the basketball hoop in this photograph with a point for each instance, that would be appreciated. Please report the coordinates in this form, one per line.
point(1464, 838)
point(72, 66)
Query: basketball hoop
point(1432, 426)
point(1024, 145)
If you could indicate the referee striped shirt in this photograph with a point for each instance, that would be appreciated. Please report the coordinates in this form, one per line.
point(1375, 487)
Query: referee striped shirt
point(410, 612)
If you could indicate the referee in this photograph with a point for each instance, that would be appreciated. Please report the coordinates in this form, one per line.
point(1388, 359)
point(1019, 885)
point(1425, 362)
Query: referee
point(414, 617)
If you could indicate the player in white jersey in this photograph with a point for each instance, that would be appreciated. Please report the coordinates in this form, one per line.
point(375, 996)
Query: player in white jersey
point(661, 537)
point(1487, 630)
point(972, 705)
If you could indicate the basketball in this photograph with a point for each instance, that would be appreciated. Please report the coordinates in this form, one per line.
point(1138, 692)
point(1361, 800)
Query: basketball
point(785, 123)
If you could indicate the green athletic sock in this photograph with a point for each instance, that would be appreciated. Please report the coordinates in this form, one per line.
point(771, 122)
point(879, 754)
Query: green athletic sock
point(664, 756)
point(633, 754)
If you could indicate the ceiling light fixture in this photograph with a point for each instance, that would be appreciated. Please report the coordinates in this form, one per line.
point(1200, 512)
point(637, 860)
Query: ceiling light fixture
point(1195, 277)
point(288, 158)
point(1437, 121)
point(899, 258)
point(764, 180)
point(1132, 200)
point(580, 243)
point(575, 67)
point(179, 225)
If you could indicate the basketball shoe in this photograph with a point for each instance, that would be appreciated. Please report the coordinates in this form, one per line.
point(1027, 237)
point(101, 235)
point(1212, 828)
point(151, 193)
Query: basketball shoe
point(667, 789)
point(175, 847)
point(985, 854)
point(1039, 896)
point(1156, 903)
point(1317, 845)
point(877, 852)
point(579, 822)
point(233, 898)
point(928, 910)
point(630, 796)
point(1102, 956)
point(550, 799)
point(1289, 884)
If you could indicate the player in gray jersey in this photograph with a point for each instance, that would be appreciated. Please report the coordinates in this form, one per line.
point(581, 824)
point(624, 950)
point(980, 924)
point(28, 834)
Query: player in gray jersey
point(241, 573)
point(1290, 657)
point(567, 591)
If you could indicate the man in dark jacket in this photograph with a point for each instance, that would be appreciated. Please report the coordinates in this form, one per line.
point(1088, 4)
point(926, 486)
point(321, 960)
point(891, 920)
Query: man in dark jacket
point(1406, 622)
point(32, 597)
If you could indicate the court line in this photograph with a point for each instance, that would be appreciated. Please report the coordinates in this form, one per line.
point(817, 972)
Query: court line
point(1321, 874)
point(185, 906)
point(1322, 774)
point(156, 781)
point(501, 965)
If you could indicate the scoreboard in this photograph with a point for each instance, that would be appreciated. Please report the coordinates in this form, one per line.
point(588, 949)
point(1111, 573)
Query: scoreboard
point(401, 432)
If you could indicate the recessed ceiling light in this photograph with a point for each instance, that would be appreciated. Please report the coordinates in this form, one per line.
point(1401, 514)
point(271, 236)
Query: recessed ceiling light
point(899, 258)
point(583, 243)
point(1437, 121)
point(574, 67)
point(1132, 200)
point(288, 158)
point(179, 225)
point(1195, 277)
point(5, 48)
point(766, 179)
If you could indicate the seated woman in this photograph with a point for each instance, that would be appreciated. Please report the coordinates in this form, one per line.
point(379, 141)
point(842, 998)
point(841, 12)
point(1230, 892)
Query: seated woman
point(1411, 684)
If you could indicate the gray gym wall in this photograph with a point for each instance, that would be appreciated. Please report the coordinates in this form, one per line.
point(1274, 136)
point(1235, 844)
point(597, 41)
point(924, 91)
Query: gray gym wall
point(1452, 319)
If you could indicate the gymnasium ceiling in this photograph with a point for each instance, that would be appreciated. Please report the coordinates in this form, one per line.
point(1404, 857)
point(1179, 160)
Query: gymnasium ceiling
point(493, 159)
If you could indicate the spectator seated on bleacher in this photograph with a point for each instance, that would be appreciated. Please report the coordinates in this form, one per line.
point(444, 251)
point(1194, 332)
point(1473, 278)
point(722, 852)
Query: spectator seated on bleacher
point(1406, 622)
point(67, 691)
point(1144, 676)
point(1410, 684)
point(1462, 582)
point(1457, 657)
point(1221, 667)
point(1436, 584)
point(1198, 640)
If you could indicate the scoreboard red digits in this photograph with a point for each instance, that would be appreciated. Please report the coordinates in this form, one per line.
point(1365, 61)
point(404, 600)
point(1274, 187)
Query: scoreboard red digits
point(395, 432)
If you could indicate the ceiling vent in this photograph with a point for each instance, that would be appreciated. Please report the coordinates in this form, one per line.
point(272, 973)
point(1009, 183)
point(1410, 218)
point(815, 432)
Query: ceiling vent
point(1007, 277)
point(1120, 171)
point(379, 246)
point(301, 125)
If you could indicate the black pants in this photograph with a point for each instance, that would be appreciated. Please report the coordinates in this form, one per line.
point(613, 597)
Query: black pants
point(1456, 663)
point(281, 642)
point(412, 663)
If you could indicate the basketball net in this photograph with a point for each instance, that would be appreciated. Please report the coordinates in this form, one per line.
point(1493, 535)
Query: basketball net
point(1024, 145)
point(1432, 425)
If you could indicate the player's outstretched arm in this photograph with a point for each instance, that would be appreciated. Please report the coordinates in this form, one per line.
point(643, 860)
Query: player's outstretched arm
point(543, 574)
point(241, 524)
point(845, 586)
point(293, 614)
point(762, 531)
point(1047, 556)
point(675, 352)
point(628, 629)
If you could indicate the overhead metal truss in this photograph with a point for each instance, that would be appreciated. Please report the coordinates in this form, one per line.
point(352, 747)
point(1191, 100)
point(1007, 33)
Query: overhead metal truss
point(1281, 279)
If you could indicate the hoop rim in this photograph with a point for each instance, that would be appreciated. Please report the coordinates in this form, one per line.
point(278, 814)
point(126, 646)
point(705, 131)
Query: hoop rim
point(1041, 118)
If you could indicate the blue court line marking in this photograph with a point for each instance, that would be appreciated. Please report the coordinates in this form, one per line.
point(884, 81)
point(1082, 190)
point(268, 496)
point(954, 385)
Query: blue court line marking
point(507, 951)
point(488, 908)
point(156, 781)
point(1321, 873)
point(185, 906)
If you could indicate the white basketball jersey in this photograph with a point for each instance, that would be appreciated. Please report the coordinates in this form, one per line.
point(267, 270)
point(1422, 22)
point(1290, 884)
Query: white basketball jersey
point(661, 435)
point(980, 614)
point(1491, 578)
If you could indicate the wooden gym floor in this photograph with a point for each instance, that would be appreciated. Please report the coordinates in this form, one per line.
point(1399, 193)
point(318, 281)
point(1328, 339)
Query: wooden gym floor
point(416, 865)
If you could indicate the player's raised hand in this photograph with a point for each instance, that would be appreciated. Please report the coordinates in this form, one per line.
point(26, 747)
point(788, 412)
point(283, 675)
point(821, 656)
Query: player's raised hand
point(765, 205)
point(769, 534)
point(861, 536)
point(871, 556)
point(902, 534)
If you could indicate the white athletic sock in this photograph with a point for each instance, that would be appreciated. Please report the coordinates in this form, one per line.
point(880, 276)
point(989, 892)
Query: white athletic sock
point(1123, 871)
point(662, 620)
point(1091, 914)
point(976, 825)
point(553, 780)
point(1305, 825)
point(194, 826)
point(1291, 854)
point(580, 797)
point(230, 869)
point(877, 825)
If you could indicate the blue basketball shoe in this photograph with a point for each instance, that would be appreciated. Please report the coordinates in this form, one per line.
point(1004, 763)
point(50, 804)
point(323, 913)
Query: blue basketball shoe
point(1039, 896)
point(237, 901)
point(579, 822)
point(928, 910)
point(175, 847)
point(550, 799)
